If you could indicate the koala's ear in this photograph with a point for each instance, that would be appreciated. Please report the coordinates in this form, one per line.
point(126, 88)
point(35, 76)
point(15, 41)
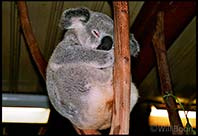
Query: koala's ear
point(74, 18)
point(134, 46)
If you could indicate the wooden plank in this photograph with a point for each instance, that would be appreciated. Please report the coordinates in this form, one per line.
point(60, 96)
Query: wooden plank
point(177, 16)
point(54, 34)
point(122, 77)
point(14, 49)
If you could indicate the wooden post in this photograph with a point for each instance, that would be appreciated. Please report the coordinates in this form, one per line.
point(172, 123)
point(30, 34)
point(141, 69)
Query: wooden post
point(30, 38)
point(36, 53)
point(165, 80)
point(122, 71)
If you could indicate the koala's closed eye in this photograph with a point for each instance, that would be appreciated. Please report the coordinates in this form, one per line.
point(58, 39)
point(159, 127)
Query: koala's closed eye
point(95, 33)
point(106, 43)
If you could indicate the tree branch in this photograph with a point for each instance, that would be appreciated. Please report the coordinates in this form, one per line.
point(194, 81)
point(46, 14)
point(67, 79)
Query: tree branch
point(30, 38)
point(122, 76)
point(165, 80)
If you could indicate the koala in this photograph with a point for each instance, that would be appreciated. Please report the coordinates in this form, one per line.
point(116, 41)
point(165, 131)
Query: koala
point(80, 70)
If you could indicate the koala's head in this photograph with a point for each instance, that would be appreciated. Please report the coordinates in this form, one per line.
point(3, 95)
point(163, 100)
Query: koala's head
point(93, 29)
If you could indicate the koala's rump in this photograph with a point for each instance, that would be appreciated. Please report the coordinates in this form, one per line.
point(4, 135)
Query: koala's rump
point(83, 95)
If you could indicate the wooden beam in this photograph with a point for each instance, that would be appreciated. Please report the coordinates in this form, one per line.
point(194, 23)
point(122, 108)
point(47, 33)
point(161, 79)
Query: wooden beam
point(32, 43)
point(177, 15)
point(122, 76)
point(164, 75)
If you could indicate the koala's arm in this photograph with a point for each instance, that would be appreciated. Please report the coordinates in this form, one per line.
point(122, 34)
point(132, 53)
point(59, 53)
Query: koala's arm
point(76, 54)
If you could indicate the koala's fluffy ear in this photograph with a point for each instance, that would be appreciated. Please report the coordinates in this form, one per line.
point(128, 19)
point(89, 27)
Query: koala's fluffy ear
point(134, 46)
point(74, 18)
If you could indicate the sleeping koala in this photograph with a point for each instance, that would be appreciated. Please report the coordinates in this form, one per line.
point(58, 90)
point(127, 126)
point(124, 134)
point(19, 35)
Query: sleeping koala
point(79, 72)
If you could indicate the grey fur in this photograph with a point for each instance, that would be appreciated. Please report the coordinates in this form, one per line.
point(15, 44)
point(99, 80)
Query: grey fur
point(78, 72)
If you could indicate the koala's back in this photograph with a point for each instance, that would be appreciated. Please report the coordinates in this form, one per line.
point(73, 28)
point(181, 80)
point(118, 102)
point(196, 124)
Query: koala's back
point(80, 93)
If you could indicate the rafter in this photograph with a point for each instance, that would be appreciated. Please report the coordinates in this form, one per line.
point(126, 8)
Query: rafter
point(177, 16)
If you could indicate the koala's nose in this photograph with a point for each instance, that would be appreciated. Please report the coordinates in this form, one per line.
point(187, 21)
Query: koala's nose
point(106, 43)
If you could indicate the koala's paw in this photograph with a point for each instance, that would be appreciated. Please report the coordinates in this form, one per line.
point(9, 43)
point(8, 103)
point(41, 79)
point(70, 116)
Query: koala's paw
point(105, 60)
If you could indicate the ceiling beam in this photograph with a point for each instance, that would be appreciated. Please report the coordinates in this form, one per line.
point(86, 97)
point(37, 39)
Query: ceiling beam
point(177, 16)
